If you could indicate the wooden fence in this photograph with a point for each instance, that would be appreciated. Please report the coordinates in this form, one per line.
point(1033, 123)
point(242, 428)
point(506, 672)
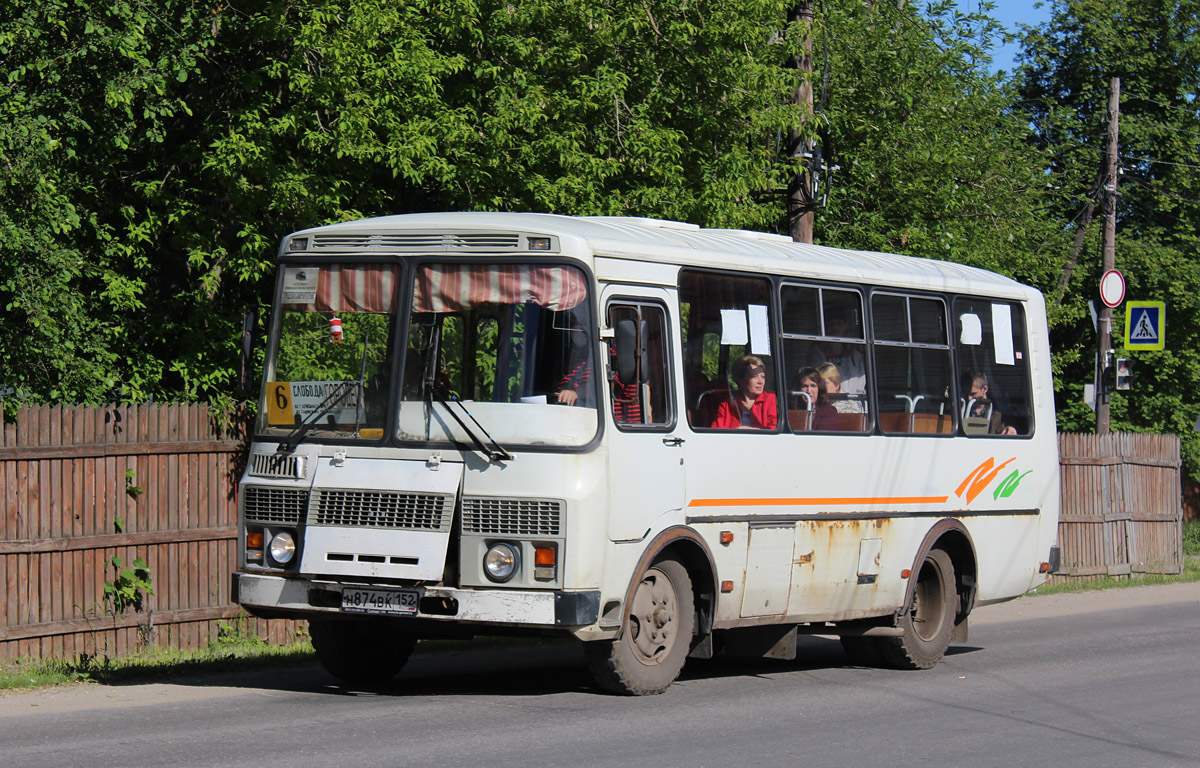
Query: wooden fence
point(81, 485)
point(1122, 508)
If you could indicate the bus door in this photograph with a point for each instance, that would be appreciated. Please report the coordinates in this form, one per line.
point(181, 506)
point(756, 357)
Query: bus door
point(644, 437)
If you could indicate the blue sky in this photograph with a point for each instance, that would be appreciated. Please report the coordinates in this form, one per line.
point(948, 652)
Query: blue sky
point(1011, 13)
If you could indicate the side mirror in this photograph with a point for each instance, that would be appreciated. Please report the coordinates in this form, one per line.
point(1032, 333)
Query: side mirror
point(245, 380)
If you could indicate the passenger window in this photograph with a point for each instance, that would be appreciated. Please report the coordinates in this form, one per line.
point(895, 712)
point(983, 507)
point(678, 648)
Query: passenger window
point(993, 366)
point(726, 329)
point(912, 364)
point(825, 359)
point(638, 372)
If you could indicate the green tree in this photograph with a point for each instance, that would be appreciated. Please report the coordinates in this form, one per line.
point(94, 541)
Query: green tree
point(933, 159)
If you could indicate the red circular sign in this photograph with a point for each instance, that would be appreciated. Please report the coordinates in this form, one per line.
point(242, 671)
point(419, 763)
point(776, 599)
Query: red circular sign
point(1112, 288)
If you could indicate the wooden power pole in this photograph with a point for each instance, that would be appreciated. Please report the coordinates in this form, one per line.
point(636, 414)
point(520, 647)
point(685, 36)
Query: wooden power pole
point(1108, 255)
point(801, 208)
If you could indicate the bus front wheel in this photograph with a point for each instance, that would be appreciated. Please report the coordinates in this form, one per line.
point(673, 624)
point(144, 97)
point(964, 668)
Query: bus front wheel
point(929, 619)
point(369, 652)
point(650, 653)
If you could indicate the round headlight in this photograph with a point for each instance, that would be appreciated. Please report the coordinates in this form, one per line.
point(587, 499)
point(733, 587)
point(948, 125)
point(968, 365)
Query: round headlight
point(283, 548)
point(501, 562)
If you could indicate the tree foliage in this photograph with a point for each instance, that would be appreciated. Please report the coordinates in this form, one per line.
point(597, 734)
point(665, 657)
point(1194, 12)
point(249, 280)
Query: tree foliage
point(151, 155)
point(155, 154)
point(1068, 63)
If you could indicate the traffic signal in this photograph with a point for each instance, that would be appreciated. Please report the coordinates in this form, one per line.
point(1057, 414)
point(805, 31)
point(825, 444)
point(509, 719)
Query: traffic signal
point(1123, 373)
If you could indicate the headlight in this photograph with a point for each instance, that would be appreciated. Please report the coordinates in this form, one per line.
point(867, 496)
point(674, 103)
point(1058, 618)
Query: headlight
point(501, 562)
point(283, 548)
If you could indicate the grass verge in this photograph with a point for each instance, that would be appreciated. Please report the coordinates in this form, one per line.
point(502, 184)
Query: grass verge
point(1191, 572)
point(231, 651)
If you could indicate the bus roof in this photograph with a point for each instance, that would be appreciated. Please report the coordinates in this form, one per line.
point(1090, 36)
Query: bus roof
point(689, 245)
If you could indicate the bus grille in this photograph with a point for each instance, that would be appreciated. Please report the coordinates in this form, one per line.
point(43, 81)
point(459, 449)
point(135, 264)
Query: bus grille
point(382, 509)
point(509, 517)
point(274, 505)
point(276, 465)
point(418, 242)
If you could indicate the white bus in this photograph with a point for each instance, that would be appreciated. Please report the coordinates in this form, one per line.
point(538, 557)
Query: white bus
point(629, 431)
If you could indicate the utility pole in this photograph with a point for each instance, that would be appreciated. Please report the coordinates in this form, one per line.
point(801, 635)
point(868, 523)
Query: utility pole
point(1108, 255)
point(801, 207)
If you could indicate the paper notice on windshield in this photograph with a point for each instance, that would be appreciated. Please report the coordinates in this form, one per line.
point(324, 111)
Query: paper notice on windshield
point(300, 285)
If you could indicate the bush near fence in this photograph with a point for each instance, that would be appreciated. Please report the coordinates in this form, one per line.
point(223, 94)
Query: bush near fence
point(81, 485)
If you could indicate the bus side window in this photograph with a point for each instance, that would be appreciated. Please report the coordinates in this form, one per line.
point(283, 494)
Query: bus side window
point(912, 364)
point(638, 377)
point(725, 317)
point(993, 367)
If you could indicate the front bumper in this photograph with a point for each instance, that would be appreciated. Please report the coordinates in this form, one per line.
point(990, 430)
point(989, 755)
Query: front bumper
point(498, 607)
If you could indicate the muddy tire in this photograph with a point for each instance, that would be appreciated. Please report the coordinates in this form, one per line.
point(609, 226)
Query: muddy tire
point(367, 652)
point(650, 653)
point(929, 619)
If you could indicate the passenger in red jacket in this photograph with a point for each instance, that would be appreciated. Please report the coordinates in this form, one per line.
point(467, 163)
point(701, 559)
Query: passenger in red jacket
point(751, 407)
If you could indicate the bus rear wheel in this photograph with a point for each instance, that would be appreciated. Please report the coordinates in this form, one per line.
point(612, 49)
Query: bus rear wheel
point(650, 653)
point(929, 620)
point(368, 652)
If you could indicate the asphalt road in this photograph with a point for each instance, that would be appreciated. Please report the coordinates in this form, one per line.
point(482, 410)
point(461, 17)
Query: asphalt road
point(1097, 679)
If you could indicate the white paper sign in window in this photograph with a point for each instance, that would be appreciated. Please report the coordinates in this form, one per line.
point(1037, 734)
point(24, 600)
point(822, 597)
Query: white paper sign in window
point(972, 329)
point(760, 330)
point(733, 327)
point(1002, 336)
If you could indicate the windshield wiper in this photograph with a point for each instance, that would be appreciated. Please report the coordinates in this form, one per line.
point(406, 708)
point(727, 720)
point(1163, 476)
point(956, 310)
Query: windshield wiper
point(295, 437)
point(497, 452)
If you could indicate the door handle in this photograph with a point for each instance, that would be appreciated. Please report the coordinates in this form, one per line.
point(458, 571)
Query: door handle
point(672, 441)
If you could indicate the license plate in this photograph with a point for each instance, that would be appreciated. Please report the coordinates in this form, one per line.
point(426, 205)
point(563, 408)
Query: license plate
point(400, 602)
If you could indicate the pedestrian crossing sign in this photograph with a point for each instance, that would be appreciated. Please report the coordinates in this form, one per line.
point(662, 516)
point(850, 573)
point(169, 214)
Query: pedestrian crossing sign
point(1145, 324)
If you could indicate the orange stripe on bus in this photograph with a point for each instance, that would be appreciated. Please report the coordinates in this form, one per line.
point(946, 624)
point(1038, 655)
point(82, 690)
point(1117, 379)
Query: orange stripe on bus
point(840, 501)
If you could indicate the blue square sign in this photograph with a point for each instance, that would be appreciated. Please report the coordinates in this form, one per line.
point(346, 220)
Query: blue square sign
point(1145, 324)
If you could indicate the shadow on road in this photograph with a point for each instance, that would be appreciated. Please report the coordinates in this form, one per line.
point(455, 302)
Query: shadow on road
point(530, 670)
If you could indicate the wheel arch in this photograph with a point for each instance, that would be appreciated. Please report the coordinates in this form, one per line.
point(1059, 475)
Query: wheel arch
point(689, 548)
point(951, 536)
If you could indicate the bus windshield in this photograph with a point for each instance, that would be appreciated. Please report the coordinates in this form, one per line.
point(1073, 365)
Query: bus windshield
point(511, 343)
point(328, 374)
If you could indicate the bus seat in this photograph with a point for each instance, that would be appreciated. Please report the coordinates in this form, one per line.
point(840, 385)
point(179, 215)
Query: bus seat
point(895, 422)
point(799, 420)
point(931, 423)
point(851, 422)
point(707, 403)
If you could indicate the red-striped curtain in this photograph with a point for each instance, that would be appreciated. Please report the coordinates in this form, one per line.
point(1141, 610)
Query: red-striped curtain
point(456, 287)
point(360, 288)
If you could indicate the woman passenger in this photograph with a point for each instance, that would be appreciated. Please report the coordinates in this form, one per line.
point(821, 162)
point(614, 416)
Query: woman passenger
point(751, 407)
point(824, 415)
point(833, 386)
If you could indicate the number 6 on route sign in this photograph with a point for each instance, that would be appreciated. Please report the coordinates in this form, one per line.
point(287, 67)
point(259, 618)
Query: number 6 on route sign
point(1145, 325)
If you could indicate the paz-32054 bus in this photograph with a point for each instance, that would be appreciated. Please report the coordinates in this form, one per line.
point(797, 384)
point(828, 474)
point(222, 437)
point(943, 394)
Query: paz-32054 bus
point(659, 439)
